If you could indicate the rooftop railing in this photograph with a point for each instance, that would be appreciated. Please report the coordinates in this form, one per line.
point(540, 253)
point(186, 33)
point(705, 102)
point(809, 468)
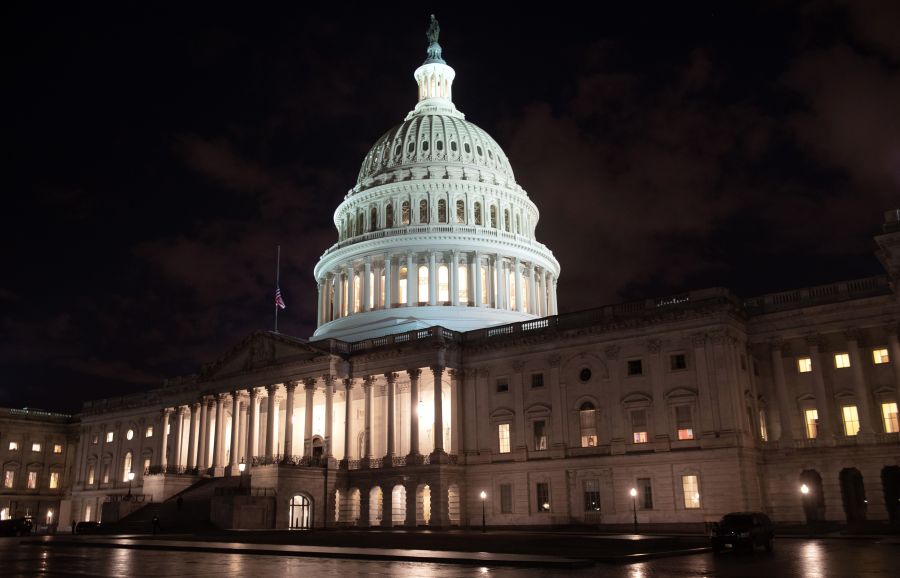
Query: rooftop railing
point(818, 295)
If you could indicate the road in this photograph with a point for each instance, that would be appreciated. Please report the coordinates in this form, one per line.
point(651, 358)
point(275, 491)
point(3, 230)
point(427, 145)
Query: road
point(792, 558)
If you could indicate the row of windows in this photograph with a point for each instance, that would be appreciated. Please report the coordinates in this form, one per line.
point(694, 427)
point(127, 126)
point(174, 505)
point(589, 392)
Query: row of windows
point(35, 447)
point(9, 479)
point(850, 420)
point(5, 514)
point(642, 494)
point(129, 435)
point(512, 222)
point(127, 468)
point(842, 360)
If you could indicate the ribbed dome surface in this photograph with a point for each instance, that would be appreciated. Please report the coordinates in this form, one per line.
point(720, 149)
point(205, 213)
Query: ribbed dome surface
point(431, 138)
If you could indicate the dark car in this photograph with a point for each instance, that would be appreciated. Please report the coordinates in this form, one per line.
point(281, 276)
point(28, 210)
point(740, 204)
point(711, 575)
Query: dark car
point(87, 528)
point(15, 527)
point(747, 529)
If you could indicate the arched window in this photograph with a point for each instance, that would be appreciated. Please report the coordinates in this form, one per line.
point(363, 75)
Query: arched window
point(493, 217)
point(300, 513)
point(467, 148)
point(511, 283)
point(424, 146)
point(404, 213)
point(423, 284)
point(587, 418)
point(357, 302)
point(360, 223)
point(477, 213)
point(506, 220)
point(518, 226)
point(371, 289)
point(389, 216)
point(443, 284)
point(453, 145)
point(126, 467)
point(373, 219)
point(423, 211)
point(462, 278)
point(401, 285)
point(439, 145)
point(411, 148)
point(442, 211)
point(460, 211)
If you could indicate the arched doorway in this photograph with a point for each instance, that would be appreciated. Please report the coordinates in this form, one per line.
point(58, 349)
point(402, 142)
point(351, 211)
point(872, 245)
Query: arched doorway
point(398, 505)
point(890, 482)
point(318, 447)
point(423, 505)
point(354, 501)
point(853, 494)
point(301, 513)
point(814, 499)
point(453, 504)
point(375, 506)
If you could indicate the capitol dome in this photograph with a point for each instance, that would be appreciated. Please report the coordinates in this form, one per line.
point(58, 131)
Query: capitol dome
point(436, 231)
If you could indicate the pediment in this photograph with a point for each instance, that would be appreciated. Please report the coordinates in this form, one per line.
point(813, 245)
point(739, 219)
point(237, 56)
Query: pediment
point(260, 350)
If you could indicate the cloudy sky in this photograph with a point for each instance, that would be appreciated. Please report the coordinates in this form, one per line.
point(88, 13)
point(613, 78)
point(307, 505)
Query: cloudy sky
point(159, 156)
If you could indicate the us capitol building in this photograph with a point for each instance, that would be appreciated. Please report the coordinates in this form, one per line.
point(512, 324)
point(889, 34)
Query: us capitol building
point(441, 379)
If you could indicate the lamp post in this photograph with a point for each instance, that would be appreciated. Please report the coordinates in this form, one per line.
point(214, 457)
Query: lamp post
point(241, 467)
point(483, 498)
point(130, 479)
point(633, 493)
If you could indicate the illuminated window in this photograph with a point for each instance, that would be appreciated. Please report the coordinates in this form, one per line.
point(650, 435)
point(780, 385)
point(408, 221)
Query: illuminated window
point(423, 211)
point(804, 365)
point(404, 213)
point(13, 446)
point(485, 297)
point(110, 436)
point(684, 422)
point(32, 480)
point(542, 492)
point(35, 447)
point(381, 284)
point(129, 435)
point(49, 515)
point(126, 467)
point(851, 420)
point(540, 435)
point(90, 478)
point(87, 513)
point(4, 513)
point(401, 285)
point(54, 480)
point(880, 356)
point(587, 419)
point(690, 485)
point(889, 414)
point(443, 284)
point(95, 439)
point(639, 426)
point(591, 495)
point(462, 274)
point(841, 360)
point(148, 433)
point(371, 289)
point(423, 284)
point(9, 478)
point(146, 464)
point(460, 212)
point(763, 431)
point(511, 284)
point(442, 211)
point(812, 423)
point(503, 436)
point(105, 473)
point(357, 290)
point(57, 448)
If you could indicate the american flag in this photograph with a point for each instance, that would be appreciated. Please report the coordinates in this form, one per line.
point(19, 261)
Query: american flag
point(279, 302)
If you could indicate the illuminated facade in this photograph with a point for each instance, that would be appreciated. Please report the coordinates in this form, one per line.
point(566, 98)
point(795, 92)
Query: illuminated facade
point(441, 375)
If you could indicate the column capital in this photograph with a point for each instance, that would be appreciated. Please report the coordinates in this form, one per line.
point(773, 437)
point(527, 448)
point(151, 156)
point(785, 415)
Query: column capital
point(271, 389)
point(414, 373)
point(438, 370)
point(166, 412)
point(348, 383)
point(329, 379)
point(457, 373)
point(252, 391)
point(236, 394)
point(368, 380)
point(390, 376)
point(195, 406)
point(291, 385)
point(179, 409)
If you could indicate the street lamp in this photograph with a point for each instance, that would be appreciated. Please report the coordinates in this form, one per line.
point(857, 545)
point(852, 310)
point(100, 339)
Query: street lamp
point(633, 493)
point(483, 498)
point(130, 479)
point(241, 467)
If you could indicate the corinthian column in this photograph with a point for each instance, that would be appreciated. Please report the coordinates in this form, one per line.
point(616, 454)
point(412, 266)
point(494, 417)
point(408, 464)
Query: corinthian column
point(192, 437)
point(270, 422)
point(329, 416)
point(389, 454)
point(438, 410)
point(289, 387)
point(252, 421)
point(348, 419)
point(235, 428)
point(219, 442)
point(310, 389)
point(164, 439)
point(414, 412)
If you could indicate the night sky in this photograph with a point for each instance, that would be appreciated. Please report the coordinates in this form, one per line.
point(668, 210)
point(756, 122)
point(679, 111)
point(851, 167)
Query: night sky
point(157, 157)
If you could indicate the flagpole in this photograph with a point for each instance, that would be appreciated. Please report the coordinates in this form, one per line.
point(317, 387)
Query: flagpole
point(277, 281)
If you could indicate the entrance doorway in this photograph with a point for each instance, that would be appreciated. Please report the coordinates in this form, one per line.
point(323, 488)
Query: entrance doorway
point(318, 448)
point(853, 494)
point(301, 513)
point(814, 500)
point(890, 481)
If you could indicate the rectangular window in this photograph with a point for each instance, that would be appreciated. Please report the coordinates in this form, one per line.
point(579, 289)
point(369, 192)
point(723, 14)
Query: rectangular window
point(35, 447)
point(763, 432)
point(889, 414)
point(677, 361)
point(684, 422)
point(148, 433)
point(106, 474)
point(587, 417)
point(147, 465)
point(645, 494)
point(812, 423)
point(87, 513)
point(841, 360)
point(54, 480)
point(851, 420)
point(537, 380)
point(502, 384)
point(540, 435)
point(506, 499)
point(95, 439)
point(503, 435)
point(639, 426)
point(57, 448)
point(592, 496)
point(542, 492)
point(13, 446)
point(804, 365)
point(9, 478)
point(635, 367)
point(109, 437)
point(880, 356)
point(691, 488)
point(90, 478)
point(32, 480)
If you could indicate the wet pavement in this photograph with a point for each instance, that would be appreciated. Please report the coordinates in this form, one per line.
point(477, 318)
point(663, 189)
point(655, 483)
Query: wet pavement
point(792, 558)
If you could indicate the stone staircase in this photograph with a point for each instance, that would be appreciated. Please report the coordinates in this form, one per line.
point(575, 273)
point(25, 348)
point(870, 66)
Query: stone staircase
point(192, 516)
